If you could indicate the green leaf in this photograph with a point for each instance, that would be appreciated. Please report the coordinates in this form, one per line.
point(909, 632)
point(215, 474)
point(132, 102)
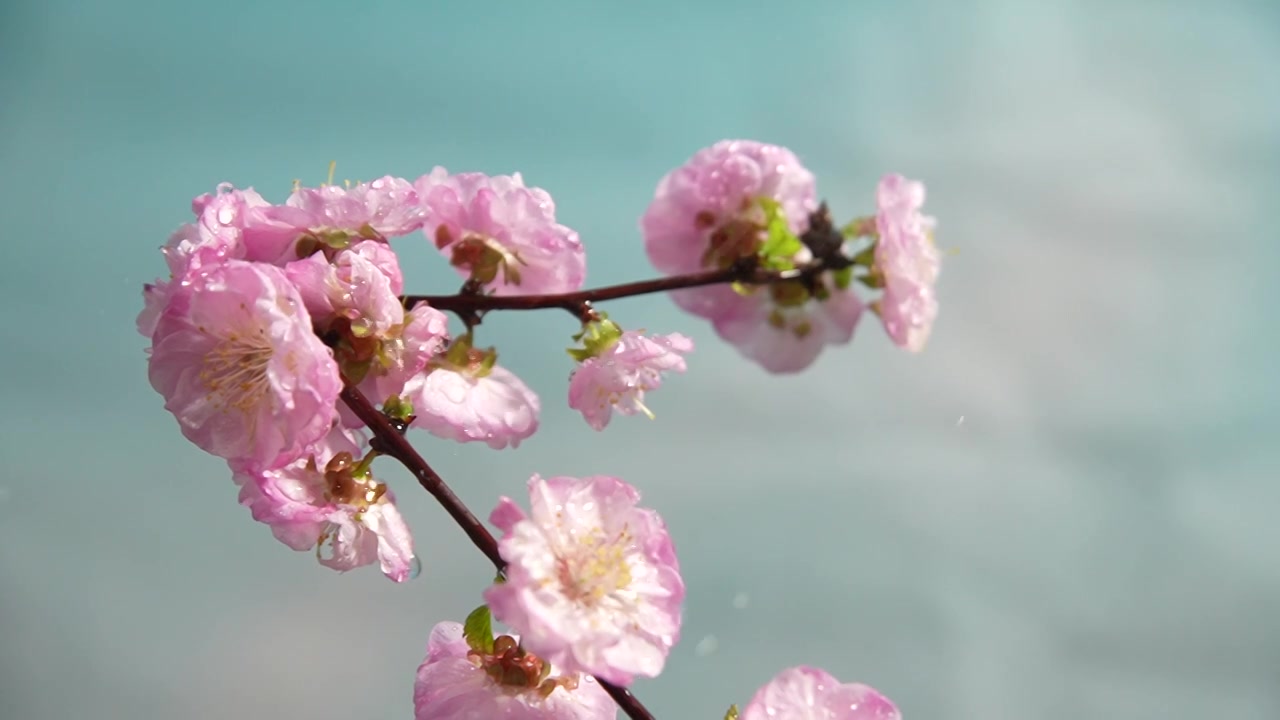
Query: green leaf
point(478, 630)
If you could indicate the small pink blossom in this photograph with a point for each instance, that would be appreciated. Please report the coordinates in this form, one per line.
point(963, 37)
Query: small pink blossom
point(238, 224)
point(620, 375)
point(806, 693)
point(464, 396)
point(237, 362)
point(593, 583)
point(908, 262)
point(705, 214)
point(321, 500)
point(349, 287)
point(784, 337)
point(425, 333)
point(456, 683)
point(496, 408)
point(501, 233)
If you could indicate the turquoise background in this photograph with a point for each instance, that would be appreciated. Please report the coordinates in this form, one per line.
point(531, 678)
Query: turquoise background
point(1065, 508)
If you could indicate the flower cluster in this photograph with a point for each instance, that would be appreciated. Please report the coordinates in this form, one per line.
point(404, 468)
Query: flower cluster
point(278, 323)
point(742, 201)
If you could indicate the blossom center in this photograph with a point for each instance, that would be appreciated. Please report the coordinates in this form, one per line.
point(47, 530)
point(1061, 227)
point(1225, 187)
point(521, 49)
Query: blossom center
point(596, 568)
point(235, 371)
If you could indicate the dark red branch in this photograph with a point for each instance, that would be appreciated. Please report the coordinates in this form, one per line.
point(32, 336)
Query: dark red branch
point(389, 440)
point(474, 304)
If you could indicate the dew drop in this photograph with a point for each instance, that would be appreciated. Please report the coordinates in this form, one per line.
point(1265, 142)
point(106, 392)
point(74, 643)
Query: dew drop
point(415, 567)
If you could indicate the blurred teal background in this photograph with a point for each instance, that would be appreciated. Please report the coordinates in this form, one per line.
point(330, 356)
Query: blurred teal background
point(1065, 508)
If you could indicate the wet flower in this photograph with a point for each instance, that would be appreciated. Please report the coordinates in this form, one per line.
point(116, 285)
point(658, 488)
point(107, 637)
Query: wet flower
point(806, 693)
point(465, 396)
point(707, 213)
point(593, 583)
point(618, 376)
point(501, 233)
point(456, 682)
point(784, 329)
point(907, 261)
point(329, 501)
point(236, 360)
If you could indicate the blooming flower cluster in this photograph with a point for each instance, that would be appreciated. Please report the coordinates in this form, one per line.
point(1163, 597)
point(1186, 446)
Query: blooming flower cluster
point(740, 200)
point(278, 324)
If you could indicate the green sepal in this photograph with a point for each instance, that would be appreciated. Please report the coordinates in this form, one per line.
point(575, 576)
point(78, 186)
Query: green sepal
point(398, 408)
point(873, 280)
point(859, 227)
point(732, 713)
point(843, 277)
point(867, 257)
point(596, 337)
point(356, 371)
point(780, 244)
point(478, 630)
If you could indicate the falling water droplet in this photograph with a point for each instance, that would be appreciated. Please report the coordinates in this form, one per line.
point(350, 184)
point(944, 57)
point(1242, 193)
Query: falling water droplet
point(741, 600)
point(706, 646)
point(415, 567)
point(960, 421)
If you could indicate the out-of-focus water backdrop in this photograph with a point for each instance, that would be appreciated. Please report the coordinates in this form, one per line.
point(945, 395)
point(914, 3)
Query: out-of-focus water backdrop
point(1065, 508)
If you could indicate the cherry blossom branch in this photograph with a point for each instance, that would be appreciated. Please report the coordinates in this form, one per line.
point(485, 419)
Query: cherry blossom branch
point(471, 304)
point(388, 439)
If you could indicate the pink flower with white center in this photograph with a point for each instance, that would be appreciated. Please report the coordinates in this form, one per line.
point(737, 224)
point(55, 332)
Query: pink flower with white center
point(706, 213)
point(387, 207)
point(465, 396)
point(783, 328)
point(908, 262)
point(592, 582)
point(327, 499)
point(501, 233)
point(806, 693)
point(237, 362)
point(621, 374)
point(457, 683)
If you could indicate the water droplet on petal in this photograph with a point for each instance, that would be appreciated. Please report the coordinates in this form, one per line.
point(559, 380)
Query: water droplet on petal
point(415, 567)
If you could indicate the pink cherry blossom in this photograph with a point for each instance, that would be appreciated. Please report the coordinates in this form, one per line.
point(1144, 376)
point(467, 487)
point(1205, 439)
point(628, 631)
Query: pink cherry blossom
point(592, 580)
point(389, 206)
point(501, 233)
point(806, 693)
point(908, 262)
point(321, 500)
point(238, 224)
point(457, 683)
point(237, 362)
point(350, 287)
point(405, 355)
point(784, 337)
point(474, 401)
point(620, 375)
point(705, 213)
